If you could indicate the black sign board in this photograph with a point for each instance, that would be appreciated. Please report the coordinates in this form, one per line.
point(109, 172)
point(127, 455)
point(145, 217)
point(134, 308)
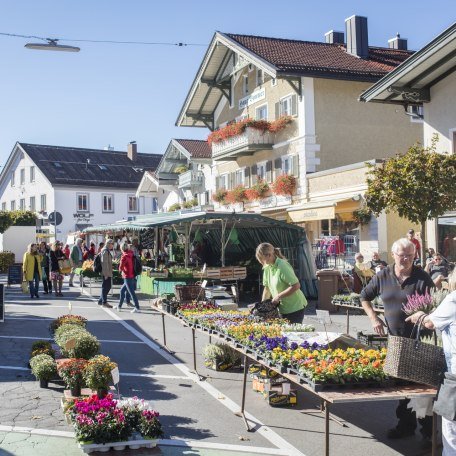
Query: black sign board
point(2, 302)
point(15, 274)
point(146, 239)
point(55, 218)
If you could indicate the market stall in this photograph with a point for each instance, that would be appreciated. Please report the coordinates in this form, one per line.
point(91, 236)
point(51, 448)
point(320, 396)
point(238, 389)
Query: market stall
point(218, 239)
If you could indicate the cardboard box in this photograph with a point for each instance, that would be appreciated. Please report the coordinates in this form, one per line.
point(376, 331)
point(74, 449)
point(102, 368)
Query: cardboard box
point(276, 399)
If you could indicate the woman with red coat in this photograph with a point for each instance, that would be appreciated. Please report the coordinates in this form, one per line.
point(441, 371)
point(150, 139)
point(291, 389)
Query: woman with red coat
point(126, 267)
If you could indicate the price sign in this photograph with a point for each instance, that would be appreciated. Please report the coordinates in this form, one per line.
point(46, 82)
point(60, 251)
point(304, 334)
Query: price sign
point(115, 375)
point(70, 344)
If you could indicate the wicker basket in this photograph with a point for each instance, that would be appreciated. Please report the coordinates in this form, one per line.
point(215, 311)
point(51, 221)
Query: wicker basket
point(411, 359)
point(188, 292)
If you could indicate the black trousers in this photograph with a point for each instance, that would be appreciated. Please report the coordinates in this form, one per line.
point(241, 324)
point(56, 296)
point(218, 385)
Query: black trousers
point(294, 317)
point(47, 284)
point(407, 420)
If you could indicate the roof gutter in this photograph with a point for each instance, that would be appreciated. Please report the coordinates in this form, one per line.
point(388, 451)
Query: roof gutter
point(409, 64)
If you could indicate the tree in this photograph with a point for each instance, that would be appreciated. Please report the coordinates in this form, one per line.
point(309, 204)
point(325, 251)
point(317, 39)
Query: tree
point(418, 185)
point(16, 218)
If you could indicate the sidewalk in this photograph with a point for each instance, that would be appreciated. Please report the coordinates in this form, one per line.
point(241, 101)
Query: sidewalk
point(191, 411)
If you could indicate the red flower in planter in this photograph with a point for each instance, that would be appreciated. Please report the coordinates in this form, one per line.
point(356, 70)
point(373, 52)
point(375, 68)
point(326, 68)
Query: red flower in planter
point(284, 184)
point(258, 190)
point(237, 195)
point(220, 195)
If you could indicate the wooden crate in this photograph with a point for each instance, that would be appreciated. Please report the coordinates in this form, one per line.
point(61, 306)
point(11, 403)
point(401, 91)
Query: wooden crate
point(213, 273)
point(226, 272)
point(239, 272)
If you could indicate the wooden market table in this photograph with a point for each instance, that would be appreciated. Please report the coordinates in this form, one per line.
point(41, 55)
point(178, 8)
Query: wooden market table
point(327, 398)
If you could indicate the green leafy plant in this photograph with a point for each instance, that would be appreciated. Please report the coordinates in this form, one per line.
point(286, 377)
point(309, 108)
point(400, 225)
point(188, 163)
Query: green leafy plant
point(402, 184)
point(191, 203)
point(174, 207)
point(23, 218)
point(43, 367)
point(362, 216)
point(220, 195)
point(97, 373)
point(6, 260)
point(86, 346)
point(149, 426)
point(181, 169)
point(221, 353)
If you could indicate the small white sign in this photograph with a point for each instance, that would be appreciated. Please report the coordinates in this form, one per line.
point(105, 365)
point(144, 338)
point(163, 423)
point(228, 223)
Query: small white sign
point(252, 98)
point(70, 306)
point(115, 375)
point(286, 388)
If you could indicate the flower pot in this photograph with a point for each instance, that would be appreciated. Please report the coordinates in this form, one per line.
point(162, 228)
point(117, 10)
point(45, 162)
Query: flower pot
point(102, 392)
point(44, 383)
point(76, 390)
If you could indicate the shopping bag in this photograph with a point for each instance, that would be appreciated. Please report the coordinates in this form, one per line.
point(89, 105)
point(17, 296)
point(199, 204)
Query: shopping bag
point(25, 288)
point(64, 266)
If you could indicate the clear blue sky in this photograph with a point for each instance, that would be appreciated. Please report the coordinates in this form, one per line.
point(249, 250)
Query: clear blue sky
point(112, 94)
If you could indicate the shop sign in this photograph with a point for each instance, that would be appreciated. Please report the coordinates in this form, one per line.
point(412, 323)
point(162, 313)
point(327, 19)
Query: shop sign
point(82, 216)
point(275, 201)
point(318, 213)
point(252, 98)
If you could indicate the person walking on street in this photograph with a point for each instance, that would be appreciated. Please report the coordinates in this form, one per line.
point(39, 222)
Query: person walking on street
point(31, 267)
point(126, 267)
point(281, 283)
point(55, 255)
point(76, 258)
point(66, 251)
point(44, 252)
point(393, 284)
point(106, 272)
point(411, 237)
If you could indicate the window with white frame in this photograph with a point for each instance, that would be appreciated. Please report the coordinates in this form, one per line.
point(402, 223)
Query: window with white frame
point(32, 174)
point(133, 204)
point(261, 170)
point(13, 205)
point(287, 164)
point(260, 77)
point(22, 204)
point(273, 82)
point(43, 205)
point(223, 181)
point(107, 203)
point(261, 113)
point(82, 202)
point(13, 179)
point(239, 177)
point(32, 204)
point(22, 176)
point(245, 85)
point(285, 106)
point(3, 206)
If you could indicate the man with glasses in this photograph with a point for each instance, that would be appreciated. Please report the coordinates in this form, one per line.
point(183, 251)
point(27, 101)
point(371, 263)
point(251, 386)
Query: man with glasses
point(393, 284)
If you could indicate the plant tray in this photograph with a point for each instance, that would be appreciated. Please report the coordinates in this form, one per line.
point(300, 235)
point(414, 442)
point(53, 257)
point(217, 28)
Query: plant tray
point(317, 387)
point(292, 371)
point(104, 447)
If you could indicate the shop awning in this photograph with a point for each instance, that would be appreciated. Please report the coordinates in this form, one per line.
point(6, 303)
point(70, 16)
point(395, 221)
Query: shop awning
point(324, 210)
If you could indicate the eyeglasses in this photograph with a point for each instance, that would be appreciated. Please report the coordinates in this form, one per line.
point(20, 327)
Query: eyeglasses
point(404, 257)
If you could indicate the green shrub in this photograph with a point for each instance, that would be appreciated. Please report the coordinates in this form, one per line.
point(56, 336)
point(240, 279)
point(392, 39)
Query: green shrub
point(23, 218)
point(66, 332)
point(43, 367)
point(174, 207)
point(86, 346)
point(191, 203)
point(6, 260)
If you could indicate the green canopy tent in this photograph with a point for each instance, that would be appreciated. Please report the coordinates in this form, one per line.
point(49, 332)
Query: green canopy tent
point(230, 234)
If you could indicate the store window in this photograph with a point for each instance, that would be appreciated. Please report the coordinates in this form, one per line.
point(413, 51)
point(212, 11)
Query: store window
point(82, 201)
point(447, 237)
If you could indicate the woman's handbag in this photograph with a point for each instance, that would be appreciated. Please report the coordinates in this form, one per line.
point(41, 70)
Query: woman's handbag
point(411, 359)
point(64, 266)
point(25, 287)
point(265, 310)
point(445, 405)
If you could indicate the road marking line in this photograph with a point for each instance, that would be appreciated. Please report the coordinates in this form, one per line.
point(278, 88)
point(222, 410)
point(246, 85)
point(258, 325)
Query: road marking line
point(15, 368)
point(50, 306)
point(25, 430)
point(99, 340)
point(176, 377)
point(263, 430)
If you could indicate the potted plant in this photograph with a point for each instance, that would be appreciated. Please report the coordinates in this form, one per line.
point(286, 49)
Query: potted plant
point(181, 169)
point(66, 332)
point(41, 347)
point(86, 346)
point(67, 319)
point(43, 368)
point(97, 374)
point(285, 184)
point(220, 357)
point(220, 195)
point(258, 190)
point(71, 371)
point(174, 207)
point(237, 195)
point(149, 426)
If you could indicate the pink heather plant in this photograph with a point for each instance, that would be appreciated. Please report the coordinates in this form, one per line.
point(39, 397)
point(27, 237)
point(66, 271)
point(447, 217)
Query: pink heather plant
point(416, 303)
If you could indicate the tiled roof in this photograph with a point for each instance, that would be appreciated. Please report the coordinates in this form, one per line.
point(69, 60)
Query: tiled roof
point(196, 147)
point(90, 167)
point(296, 57)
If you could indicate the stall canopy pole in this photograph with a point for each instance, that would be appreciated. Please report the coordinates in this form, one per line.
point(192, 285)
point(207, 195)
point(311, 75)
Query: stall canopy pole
point(224, 222)
point(187, 235)
point(156, 245)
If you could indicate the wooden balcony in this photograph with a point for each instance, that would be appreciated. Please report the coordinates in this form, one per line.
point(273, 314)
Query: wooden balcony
point(247, 143)
point(191, 179)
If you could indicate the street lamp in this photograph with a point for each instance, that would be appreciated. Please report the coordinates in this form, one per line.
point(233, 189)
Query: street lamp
point(52, 45)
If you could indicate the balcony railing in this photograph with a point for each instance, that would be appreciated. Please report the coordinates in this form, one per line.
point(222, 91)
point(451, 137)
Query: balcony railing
point(191, 179)
point(245, 144)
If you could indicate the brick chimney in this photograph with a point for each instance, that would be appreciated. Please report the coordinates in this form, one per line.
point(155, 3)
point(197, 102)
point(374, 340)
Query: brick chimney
point(357, 38)
point(398, 43)
point(132, 151)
